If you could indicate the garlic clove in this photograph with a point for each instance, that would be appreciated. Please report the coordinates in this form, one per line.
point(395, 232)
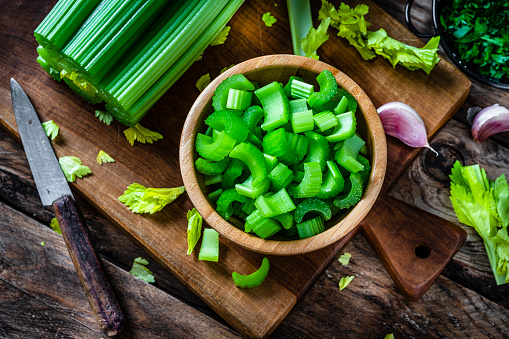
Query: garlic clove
point(491, 120)
point(403, 122)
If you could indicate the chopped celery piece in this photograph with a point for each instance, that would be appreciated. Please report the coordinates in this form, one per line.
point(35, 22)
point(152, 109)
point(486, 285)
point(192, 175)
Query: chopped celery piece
point(275, 105)
point(232, 173)
point(345, 128)
point(347, 154)
point(298, 105)
point(275, 204)
point(302, 121)
point(281, 176)
point(288, 147)
point(194, 223)
point(286, 220)
point(333, 183)
point(236, 81)
point(252, 115)
point(254, 160)
point(310, 228)
point(328, 89)
point(211, 167)
point(249, 190)
point(214, 196)
point(209, 250)
point(238, 99)
point(367, 168)
point(325, 120)
point(288, 86)
point(312, 205)
point(262, 227)
point(214, 150)
point(300, 89)
point(230, 123)
point(354, 194)
point(270, 161)
point(351, 102)
point(213, 179)
point(225, 203)
point(311, 184)
point(341, 107)
point(249, 206)
point(254, 279)
point(319, 149)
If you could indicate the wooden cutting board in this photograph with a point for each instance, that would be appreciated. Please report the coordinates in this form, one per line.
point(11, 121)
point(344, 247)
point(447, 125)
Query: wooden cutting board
point(392, 227)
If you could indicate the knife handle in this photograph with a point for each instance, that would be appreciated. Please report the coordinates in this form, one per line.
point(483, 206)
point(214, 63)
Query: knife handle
point(105, 306)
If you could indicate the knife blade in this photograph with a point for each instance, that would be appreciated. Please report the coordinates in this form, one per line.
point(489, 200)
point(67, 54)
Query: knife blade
point(54, 190)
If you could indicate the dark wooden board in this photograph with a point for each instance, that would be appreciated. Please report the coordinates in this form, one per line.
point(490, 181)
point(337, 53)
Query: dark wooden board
point(163, 235)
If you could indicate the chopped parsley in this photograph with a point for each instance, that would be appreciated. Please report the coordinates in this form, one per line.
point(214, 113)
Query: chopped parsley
point(268, 19)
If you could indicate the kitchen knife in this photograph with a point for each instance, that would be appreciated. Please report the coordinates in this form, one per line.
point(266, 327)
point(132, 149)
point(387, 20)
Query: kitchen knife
point(54, 190)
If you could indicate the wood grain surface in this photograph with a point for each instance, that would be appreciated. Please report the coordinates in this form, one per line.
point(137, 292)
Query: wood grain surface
point(463, 302)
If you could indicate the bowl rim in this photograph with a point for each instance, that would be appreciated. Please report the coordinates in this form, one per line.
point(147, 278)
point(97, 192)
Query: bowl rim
point(284, 247)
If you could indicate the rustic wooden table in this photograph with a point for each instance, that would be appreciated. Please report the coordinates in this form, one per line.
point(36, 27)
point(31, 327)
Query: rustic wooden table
point(40, 295)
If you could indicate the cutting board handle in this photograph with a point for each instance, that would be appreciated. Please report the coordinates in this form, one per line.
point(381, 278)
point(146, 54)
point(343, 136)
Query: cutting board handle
point(414, 246)
point(105, 306)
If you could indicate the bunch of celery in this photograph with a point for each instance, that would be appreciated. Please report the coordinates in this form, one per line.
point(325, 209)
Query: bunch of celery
point(484, 205)
point(127, 53)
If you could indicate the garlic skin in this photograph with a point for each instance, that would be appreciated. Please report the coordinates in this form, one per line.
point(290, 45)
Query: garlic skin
point(491, 120)
point(403, 122)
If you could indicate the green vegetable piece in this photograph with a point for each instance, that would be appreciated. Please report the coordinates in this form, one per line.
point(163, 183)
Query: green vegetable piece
point(220, 38)
point(141, 199)
point(367, 168)
point(315, 38)
point(103, 157)
point(353, 196)
point(55, 226)
point(345, 281)
point(203, 82)
point(298, 105)
point(73, 167)
point(281, 176)
point(43, 243)
point(232, 173)
point(344, 259)
point(270, 161)
point(252, 116)
point(312, 205)
point(268, 19)
point(319, 150)
point(209, 250)
point(351, 102)
point(254, 160)
point(238, 99)
point(286, 220)
point(249, 190)
point(254, 279)
point(140, 271)
point(288, 86)
point(276, 204)
point(302, 121)
point(275, 105)
point(333, 183)
point(262, 227)
point(289, 148)
point(225, 202)
point(342, 105)
point(211, 167)
point(141, 134)
point(215, 150)
point(249, 206)
point(212, 179)
point(310, 228)
point(345, 128)
point(230, 123)
point(347, 154)
point(51, 129)
point(236, 81)
point(300, 89)
point(311, 184)
point(194, 223)
point(214, 196)
point(325, 120)
point(328, 88)
point(104, 116)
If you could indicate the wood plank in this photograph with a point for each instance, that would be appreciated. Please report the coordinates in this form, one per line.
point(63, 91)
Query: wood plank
point(47, 274)
point(84, 136)
point(426, 185)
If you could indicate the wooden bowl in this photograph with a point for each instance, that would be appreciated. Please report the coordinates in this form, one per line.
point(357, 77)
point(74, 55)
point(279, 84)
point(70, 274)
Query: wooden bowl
point(264, 70)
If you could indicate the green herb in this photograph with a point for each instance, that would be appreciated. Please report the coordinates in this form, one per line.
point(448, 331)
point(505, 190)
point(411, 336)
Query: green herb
point(221, 37)
point(128, 53)
point(140, 199)
point(194, 223)
point(140, 271)
point(389, 336)
point(345, 281)
point(268, 19)
point(203, 82)
point(478, 30)
point(254, 279)
point(73, 167)
point(483, 205)
point(141, 134)
point(344, 259)
point(352, 26)
point(51, 129)
point(315, 38)
point(104, 116)
point(55, 226)
point(43, 243)
point(103, 157)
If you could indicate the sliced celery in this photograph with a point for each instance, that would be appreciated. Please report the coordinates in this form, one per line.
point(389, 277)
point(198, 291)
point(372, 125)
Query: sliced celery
point(249, 190)
point(230, 123)
point(275, 105)
point(254, 279)
point(319, 149)
point(300, 89)
point(311, 184)
point(214, 150)
point(209, 250)
point(354, 194)
point(214, 196)
point(345, 128)
point(262, 227)
point(328, 89)
point(302, 121)
point(254, 160)
point(298, 105)
point(225, 203)
point(310, 228)
point(238, 99)
point(325, 120)
point(312, 205)
point(275, 204)
point(212, 179)
point(211, 167)
point(232, 173)
point(333, 182)
point(286, 220)
point(281, 176)
point(341, 107)
point(347, 154)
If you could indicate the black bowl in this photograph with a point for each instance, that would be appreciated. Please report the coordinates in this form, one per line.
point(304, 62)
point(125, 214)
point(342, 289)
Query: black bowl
point(448, 46)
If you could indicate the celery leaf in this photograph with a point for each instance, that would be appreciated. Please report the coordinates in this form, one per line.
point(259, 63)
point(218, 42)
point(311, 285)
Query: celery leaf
point(141, 134)
point(104, 116)
point(51, 129)
point(43, 243)
point(389, 336)
point(140, 199)
point(103, 157)
point(203, 82)
point(55, 226)
point(73, 167)
point(502, 242)
point(345, 281)
point(140, 271)
point(194, 224)
point(268, 19)
point(220, 38)
point(344, 259)
point(501, 194)
point(315, 38)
